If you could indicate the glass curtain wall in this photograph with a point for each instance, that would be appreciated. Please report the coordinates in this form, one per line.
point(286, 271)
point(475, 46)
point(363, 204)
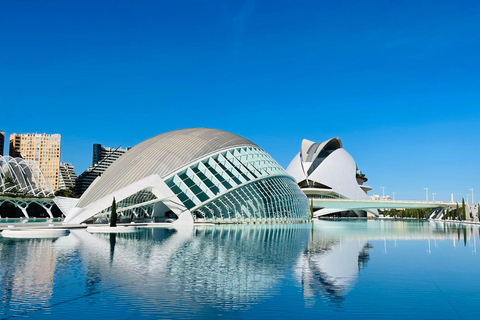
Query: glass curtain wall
point(273, 196)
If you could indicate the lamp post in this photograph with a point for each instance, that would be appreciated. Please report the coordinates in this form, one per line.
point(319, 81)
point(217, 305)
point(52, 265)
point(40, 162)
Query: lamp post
point(394, 193)
point(383, 193)
point(426, 193)
point(473, 201)
point(433, 195)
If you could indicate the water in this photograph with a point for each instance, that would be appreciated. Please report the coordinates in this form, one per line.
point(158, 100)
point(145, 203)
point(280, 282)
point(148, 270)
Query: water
point(329, 269)
point(27, 222)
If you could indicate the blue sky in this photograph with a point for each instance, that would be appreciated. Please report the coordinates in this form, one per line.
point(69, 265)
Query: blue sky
point(397, 81)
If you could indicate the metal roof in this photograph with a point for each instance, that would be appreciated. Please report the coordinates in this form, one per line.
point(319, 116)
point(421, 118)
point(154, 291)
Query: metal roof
point(162, 155)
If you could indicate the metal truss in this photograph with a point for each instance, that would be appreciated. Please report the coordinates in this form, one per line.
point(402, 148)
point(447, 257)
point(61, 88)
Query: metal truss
point(21, 176)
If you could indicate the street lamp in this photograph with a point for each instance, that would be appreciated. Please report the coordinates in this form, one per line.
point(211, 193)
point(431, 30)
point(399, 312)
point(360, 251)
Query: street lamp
point(473, 201)
point(394, 193)
point(426, 193)
point(433, 194)
point(383, 193)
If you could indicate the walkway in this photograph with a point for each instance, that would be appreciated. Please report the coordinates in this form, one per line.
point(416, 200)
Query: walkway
point(328, 206)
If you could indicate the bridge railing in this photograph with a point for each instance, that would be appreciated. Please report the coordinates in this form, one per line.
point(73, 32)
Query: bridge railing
point(384, 201)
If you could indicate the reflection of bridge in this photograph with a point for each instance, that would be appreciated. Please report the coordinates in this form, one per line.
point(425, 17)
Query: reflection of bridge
point(328, 206)
point(338, 250)
point(23, 204)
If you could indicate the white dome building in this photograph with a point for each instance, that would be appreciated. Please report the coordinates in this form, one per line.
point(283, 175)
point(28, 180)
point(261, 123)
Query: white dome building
point(326, 170)
point(207, 175)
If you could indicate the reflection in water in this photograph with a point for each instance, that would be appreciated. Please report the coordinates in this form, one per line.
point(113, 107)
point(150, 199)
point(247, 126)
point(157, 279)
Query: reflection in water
point(331, 267)
point(234, 264)
point(27, 271)
point(223, 268)
point(113, 240)
point(337, 251)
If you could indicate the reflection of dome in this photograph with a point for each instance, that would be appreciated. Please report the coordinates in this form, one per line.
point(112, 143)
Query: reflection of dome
point(326, 170)
point(252, 260)
point(223, 266)
point(19, 175)
point(212, 174)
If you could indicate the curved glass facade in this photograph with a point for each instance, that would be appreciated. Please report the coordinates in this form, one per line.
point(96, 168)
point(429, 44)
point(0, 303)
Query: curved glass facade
point(200, 174)
point(239, 185)
point(272, 199)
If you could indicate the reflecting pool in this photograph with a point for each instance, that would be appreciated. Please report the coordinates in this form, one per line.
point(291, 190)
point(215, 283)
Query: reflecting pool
point(326, 269)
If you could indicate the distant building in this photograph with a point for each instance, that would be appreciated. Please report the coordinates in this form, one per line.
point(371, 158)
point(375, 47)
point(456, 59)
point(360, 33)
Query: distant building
point(67, 176)
point(472, 211)
point(45, 149)
point(377, 197)
point(2, 142)
point(327, 171)
point(102, 158)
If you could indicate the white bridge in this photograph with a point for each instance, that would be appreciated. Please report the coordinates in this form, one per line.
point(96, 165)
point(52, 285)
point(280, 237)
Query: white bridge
point(327, 206)
point(24, 202)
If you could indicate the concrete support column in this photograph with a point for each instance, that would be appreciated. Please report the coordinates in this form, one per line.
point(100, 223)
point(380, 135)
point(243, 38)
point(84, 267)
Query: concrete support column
point(49, 211)
point(24, 210)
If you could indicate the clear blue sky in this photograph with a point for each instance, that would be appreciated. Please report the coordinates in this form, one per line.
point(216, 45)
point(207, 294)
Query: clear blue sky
point(399, 82)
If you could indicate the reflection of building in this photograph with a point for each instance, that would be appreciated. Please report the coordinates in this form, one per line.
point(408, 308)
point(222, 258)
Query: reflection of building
point(2, 142)
point(229, 266)
point(102, 158)
point(332, 269)
point(27, 278)
point(67, 176)
point(210, 175)
point(41, 148)
point(326, 170)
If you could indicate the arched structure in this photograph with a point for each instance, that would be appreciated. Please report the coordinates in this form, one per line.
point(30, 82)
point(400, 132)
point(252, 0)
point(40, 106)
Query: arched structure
point(326, 170)
point(207, 175)
point(21, 176)
point(24, 203)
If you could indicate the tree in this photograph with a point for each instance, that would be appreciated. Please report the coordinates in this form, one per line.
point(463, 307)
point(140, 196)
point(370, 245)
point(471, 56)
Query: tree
point(113, 214)
point(464, 212)
point(65, 193)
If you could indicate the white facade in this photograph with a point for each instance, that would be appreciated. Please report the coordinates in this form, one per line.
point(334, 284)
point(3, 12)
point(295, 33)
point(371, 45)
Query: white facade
point(326, 170)
point(200, 174)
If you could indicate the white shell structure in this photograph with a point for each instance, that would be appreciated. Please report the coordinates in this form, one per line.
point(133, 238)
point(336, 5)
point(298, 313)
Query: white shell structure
point(326, 170)
point(23, 176)
point(198, 174)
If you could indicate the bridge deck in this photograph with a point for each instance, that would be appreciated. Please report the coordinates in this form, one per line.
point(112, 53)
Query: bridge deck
point(336, 205)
